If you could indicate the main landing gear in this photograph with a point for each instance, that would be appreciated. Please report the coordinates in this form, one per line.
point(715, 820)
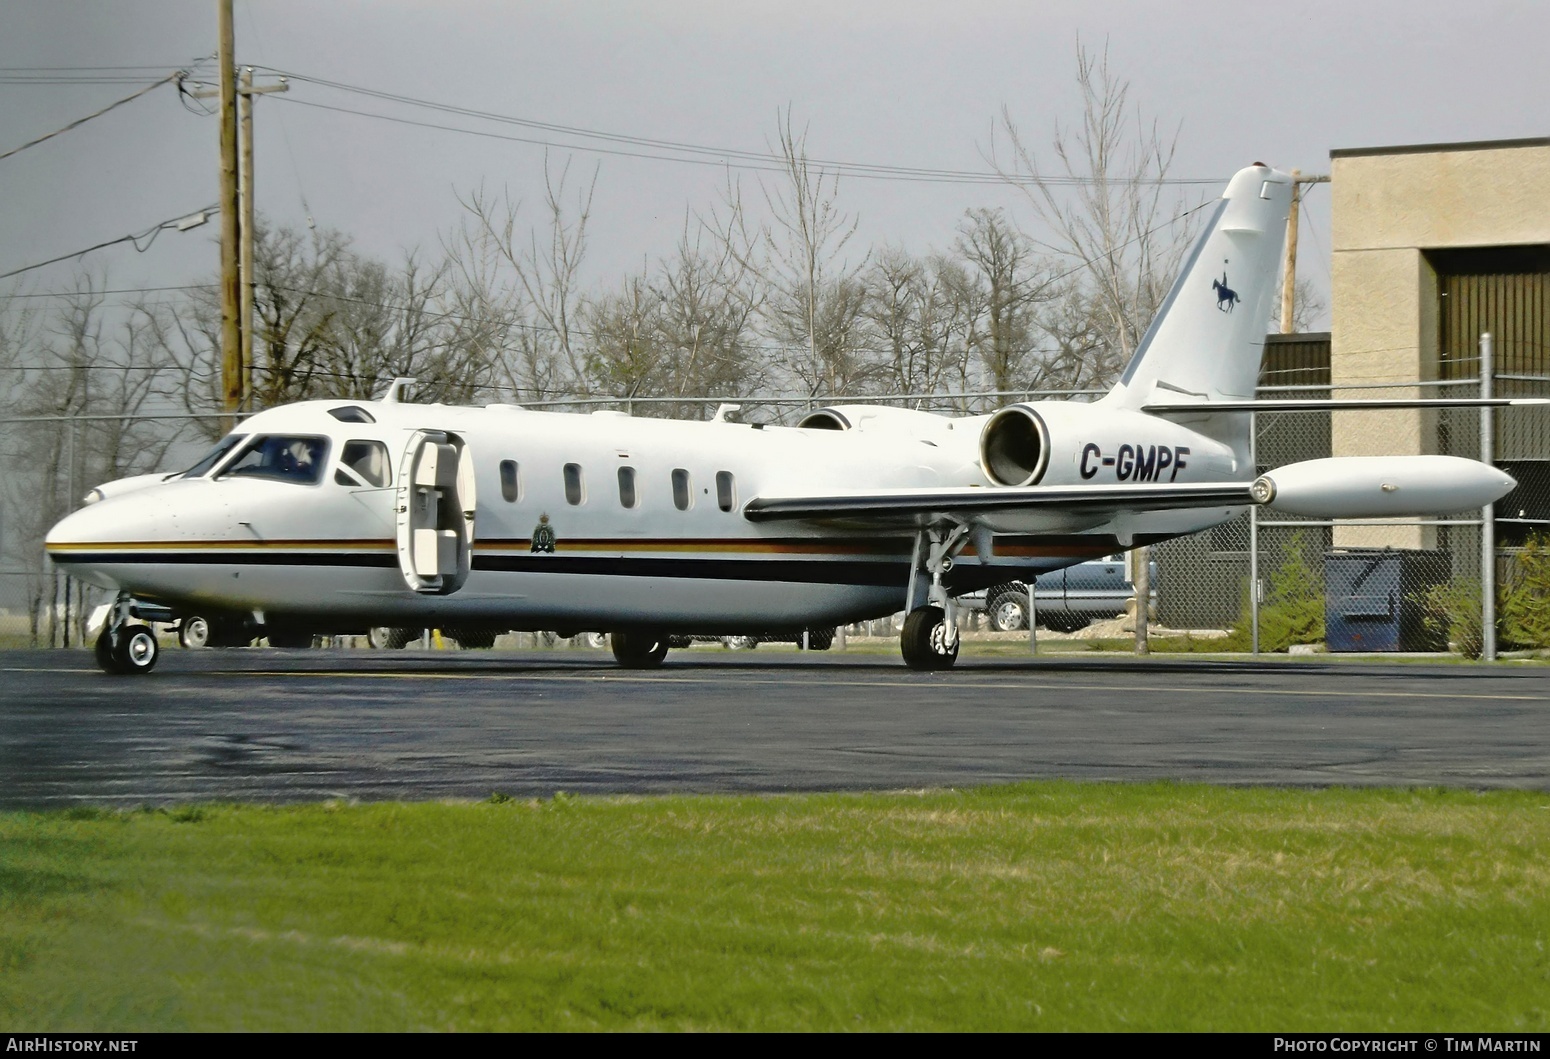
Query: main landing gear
point(125, 647)
point(929, 641)
point(639, 648)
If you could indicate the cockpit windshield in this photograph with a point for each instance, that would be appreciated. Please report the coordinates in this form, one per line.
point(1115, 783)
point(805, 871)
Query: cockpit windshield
point(286, 458)
point(222, 447)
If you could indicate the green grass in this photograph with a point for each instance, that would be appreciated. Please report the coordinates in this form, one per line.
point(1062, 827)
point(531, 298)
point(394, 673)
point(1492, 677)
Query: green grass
point(1037, 906)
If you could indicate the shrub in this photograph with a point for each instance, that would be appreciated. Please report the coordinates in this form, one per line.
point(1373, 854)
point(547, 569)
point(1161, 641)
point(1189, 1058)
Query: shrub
point(1293, 609)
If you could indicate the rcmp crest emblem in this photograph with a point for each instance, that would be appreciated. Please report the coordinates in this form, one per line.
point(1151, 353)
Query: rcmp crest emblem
point(543, 536)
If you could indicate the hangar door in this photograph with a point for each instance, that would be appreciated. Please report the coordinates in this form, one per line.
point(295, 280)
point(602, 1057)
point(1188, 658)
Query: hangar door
point(1505, 291)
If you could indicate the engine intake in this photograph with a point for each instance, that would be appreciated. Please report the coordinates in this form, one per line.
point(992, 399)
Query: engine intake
point(824, 419)
point(1014, 447)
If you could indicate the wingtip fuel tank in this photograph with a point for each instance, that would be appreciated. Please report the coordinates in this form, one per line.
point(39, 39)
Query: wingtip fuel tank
point(1381, 486)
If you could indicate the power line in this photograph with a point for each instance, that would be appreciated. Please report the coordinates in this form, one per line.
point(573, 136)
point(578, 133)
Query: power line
point(174, 76)
point(721, 156)
point(149, 235)
point(113, 290)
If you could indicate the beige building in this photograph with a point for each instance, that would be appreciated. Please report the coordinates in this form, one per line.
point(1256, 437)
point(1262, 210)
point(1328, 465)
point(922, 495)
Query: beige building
point(1432, 245)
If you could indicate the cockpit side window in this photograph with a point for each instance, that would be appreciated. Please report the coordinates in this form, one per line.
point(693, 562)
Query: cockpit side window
point(283, 457)
point(222, 447)
point(369, 461)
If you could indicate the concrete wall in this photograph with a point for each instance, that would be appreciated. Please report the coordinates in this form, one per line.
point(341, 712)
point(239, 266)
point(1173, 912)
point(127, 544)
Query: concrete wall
point(1388, 206)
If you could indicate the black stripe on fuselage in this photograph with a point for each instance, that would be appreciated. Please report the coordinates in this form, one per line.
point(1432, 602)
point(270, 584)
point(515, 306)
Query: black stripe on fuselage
point(247, 557)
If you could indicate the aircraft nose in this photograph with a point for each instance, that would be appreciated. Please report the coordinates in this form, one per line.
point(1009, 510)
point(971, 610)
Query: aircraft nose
point(83, 542)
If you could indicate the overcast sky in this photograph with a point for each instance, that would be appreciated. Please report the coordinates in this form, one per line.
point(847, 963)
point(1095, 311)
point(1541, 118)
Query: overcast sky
point(896, 83)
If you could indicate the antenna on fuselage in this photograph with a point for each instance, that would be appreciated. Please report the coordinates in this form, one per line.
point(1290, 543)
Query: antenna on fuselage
point(721, 412)
point(395, 391)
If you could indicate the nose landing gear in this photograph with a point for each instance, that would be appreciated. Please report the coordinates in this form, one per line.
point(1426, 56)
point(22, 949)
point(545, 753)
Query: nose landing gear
point(124, 647)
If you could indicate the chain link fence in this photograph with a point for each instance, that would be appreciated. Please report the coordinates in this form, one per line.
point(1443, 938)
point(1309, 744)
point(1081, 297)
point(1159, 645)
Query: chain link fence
point(1391, 585)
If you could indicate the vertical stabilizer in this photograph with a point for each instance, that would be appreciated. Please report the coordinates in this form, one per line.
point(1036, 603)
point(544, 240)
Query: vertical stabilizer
point(1208, 337)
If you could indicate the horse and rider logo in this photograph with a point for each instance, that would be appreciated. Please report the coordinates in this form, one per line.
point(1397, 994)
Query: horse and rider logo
point(1226, 297)
point(543, 536)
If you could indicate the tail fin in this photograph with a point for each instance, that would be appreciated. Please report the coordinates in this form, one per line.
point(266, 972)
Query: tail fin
point(1207, 339)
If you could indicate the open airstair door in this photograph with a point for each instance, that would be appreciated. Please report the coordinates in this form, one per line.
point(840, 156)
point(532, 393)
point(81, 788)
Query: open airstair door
point(435, 512)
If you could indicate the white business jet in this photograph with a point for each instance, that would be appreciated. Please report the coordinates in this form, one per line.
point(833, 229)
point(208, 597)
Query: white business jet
point(336, 516)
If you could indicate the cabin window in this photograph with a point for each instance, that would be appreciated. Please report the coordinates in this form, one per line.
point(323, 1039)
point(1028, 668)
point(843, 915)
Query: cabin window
point(683, 490)
point(284, 458)
point(627, 486)
point(511, 481)
point(225, 445)
point(726, 491)
point(351, 414)
point(364, 463)
point(574, 491)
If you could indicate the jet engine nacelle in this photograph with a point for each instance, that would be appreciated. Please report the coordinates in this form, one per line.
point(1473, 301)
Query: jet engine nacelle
point(1381, 486)
point(1067, 443)
point(868, 417)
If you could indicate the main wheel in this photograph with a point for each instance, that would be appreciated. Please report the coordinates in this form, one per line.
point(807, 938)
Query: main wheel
point(924, 641)
point(390, 637)
point(639, 648)
point(473, 639)
point(1008, 611)
point(194, 632)
point(135, 652)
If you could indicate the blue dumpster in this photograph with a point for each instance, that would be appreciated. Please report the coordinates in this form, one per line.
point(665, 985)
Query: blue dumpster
point(1372, 599)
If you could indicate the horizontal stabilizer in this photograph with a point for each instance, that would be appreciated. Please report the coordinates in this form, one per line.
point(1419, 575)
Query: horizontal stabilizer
point(1315, 404)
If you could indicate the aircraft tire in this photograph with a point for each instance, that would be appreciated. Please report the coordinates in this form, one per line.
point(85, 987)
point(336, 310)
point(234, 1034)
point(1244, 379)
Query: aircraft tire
point(195, 632)
point(137, 651)
point(1008, 612)
point(390, 637)
point(923, 643)
point(638, 648)
point(473, 639)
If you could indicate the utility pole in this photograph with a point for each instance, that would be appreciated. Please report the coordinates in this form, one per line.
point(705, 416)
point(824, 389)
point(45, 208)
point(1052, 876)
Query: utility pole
point(1289, 273)
point(245, 192)
point(231, 327)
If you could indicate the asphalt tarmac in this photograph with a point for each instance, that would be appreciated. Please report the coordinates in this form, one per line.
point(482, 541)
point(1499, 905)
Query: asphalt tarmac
point(278, 726)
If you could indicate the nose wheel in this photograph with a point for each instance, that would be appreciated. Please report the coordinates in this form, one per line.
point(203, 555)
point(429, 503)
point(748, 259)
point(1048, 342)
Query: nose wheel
point(124, 646)
point(129, 649)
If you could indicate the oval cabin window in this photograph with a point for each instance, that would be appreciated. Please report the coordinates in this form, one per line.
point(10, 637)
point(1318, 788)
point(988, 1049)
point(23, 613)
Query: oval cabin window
point(574, 493)
point(683, 489)
point(627, 486)
point(726, 491)
point(511, 481)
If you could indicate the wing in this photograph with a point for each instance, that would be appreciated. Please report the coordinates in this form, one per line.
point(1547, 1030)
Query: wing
point(896, 507)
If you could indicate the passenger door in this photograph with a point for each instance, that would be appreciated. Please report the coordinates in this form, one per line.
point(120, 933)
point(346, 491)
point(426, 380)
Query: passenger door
point(434, 511)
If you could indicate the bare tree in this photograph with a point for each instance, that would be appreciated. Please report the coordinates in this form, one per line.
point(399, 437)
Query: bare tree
point(1012, 283)
point(79, 383)
point(1105, 203)
point(328, 323)
point(1307, 307)
point(922, 313)
point(530, 280)
point(815, 300)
